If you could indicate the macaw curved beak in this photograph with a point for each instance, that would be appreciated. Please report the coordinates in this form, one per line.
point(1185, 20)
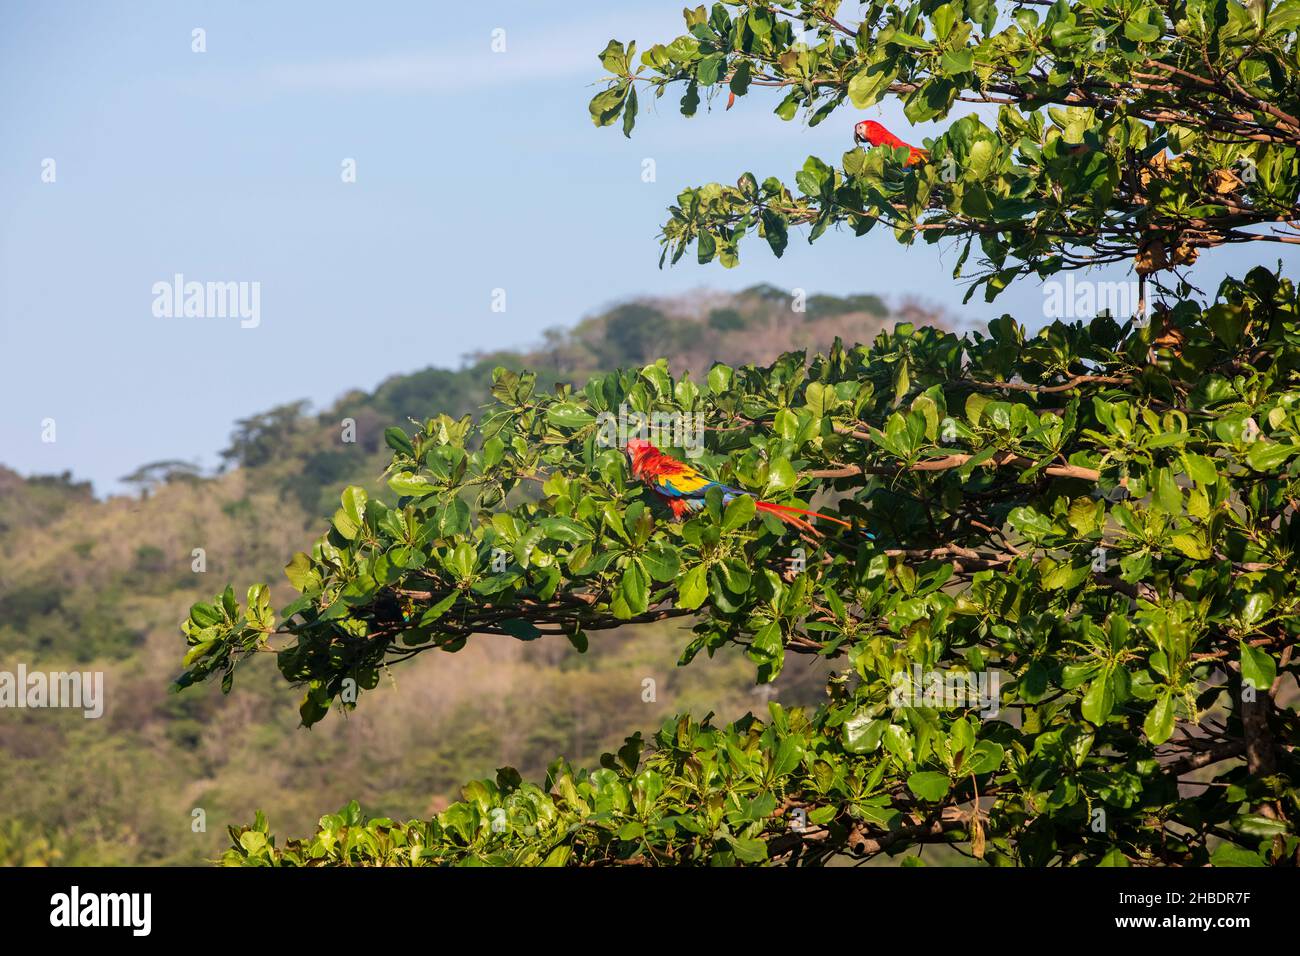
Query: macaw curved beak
point(857, 138)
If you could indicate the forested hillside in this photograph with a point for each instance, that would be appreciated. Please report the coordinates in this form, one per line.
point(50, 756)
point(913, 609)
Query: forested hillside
point(97, 584)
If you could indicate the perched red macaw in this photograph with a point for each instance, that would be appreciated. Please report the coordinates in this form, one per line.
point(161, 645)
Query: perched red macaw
point(869, 131)
point(682, 488)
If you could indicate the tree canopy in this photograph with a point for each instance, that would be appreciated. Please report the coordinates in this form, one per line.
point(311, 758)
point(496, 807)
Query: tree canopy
point(1064, 640)
point(1073, 168)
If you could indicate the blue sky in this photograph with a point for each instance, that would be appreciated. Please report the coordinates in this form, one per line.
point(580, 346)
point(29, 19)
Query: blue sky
point(475, 171)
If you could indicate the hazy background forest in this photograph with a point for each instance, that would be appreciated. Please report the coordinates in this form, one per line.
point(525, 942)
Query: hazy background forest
point(101, 584)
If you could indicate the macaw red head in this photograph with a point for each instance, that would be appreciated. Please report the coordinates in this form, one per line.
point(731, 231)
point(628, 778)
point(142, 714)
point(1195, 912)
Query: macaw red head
point(869, 131)
point(638, 449)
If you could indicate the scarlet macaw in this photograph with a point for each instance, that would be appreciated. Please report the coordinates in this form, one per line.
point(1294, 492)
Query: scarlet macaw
point(682, 488)
point(869, 131)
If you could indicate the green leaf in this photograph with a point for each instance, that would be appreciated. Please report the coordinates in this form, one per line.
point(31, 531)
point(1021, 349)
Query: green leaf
point(740, 78)
point(788, 756)
point(780, 476)
point(462, 561)
point(986, 757)
point(910, 41)
point(349, 518)
point(411, 485)
point(520, 628)
point(1168, 496)
point(1266, 455)
point(569, 415)
point(567, 530)
point(614, 57)
point(1159, 722)
point(928, 785)
point(1258, 825)
point(606, 105)
point(694, 588)
point(205, 615)
point(1193, 545)
point(452, 519)
point(629, 111)
point(710, 69)
point(868, 85)
point(902, 381)
point(661, 561)
point(354, 503)
point(1141, 32)
point(1100, 699)
point(776, 231)
point(1030, 522)
point(690, 102)
point(1257, 666)
point(1201, 468)
point(862, 732)
point(788, 107)
point(1229, 854)
point(1083, 516)
point(748, 850)
point(197, 652)
point(398, 440)
point(786, 424)
point(299, 571)
point(634, 589)
point(958, 61)
point(767, 641)
point(740, 511)
point(439, 609)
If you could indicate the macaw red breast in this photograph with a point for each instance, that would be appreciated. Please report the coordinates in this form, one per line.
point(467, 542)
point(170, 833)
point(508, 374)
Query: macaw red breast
point(869, 131)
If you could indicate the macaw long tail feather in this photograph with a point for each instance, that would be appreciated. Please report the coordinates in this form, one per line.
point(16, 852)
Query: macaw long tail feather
point(787, 513)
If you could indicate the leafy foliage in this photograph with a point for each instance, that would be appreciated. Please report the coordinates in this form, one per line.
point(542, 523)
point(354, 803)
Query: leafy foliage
point(1094, 523)
point(98, 583)
point(1111, 536)
point(1092, 97)
point(296, 453)
point(640, 807)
